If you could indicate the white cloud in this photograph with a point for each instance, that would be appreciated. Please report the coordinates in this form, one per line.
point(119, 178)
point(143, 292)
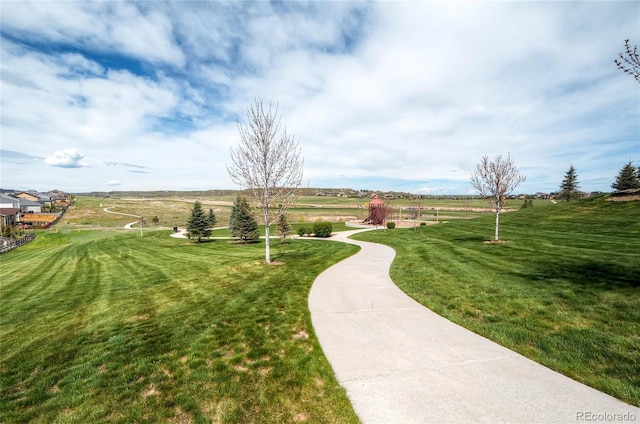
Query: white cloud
point(403, 94)
point(98, 111)
point(104, 27)
point(67, 158)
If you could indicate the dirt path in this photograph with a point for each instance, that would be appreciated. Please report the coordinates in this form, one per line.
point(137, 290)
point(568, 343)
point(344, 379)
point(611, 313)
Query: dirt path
point(129, 225)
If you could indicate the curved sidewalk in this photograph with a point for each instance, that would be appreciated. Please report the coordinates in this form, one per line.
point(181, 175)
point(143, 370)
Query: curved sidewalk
point(402, 363)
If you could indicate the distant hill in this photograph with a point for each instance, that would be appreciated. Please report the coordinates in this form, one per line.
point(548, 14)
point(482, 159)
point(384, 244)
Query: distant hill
point(306, 191)
point(159, 193)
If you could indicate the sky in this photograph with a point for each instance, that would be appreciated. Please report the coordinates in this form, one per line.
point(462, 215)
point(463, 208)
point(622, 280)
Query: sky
point(404, 96)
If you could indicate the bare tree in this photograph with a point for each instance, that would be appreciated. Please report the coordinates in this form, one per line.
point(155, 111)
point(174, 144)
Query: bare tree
point(267, 162)
point(630, 61)
point(495, 180)
point(416, 211)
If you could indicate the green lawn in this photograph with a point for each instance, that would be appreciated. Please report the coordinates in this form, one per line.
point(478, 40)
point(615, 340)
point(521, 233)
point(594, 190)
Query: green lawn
point(103, 326)
point(108, 326)
point(563, 290)
point(274, 237)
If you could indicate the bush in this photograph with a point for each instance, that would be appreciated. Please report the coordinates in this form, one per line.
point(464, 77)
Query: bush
point(322, 229)
point(528, 203)
point(391, 225)
point(302, 231)
point(423, 224)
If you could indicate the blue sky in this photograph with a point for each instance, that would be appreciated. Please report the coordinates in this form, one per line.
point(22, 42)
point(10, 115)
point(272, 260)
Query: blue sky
point(379, 95)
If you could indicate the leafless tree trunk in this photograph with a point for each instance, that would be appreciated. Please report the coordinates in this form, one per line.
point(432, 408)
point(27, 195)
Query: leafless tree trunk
point(267, 162)
point(495, 180)
point(417, 212)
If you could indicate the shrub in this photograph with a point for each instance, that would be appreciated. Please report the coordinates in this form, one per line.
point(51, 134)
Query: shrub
point(528, 203)
point(322, 229)
point(423, 224)
point(283, 227)
point(302, 231)
point(391, 225)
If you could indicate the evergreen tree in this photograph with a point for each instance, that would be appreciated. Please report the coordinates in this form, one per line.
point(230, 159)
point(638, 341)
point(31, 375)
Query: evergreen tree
point(243, 224)
point(569, 186)
point(528, 203)
point(197, 225)
point(211, 219)
point(627, 178)
point(284, 228)
point(232, 218)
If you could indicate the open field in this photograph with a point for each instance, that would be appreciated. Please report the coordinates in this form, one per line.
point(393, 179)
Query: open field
point(175, 210)
point(108, 326)
point(564, 290)
point(88, 211)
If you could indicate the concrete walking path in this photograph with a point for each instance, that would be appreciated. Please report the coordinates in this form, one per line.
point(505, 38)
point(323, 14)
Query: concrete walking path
point(402, 363)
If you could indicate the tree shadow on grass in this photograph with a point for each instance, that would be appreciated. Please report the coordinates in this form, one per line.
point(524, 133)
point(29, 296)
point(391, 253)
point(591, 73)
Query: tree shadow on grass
point(604, 275)
point(470, 238)
point(241, 242)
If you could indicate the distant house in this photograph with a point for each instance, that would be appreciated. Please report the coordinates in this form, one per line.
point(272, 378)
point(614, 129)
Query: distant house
point(9, 217)
point(9, 202)
point(27, 196)
point(28, 206)
point(35, 196)
point(58, 198)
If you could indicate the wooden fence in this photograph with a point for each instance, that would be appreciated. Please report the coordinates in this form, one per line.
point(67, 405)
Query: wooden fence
point(13, 244)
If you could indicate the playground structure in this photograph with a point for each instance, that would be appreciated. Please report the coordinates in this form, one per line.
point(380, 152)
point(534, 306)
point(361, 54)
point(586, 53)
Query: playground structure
point(377, 212)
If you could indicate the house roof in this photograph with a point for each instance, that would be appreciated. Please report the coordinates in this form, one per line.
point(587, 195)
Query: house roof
point(6, 199)
point(42, 198)
point(57, 196)
point(27, 202)
point(9, 211)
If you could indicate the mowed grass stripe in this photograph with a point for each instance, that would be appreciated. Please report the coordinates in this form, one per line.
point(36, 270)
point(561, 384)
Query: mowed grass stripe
point(563, 290)
point(122, 328)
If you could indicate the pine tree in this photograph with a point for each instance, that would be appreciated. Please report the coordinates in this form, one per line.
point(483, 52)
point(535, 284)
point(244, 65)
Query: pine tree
point(197, 225)
point(243, 224)
point(627, 178)
point(569, 186)
point(211, 219)
point(284, 228)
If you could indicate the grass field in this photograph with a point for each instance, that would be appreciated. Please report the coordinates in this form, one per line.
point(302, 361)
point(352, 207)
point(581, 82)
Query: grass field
point(104, 325)
point(107, 326)
point(563, 290)
point(172, 211)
